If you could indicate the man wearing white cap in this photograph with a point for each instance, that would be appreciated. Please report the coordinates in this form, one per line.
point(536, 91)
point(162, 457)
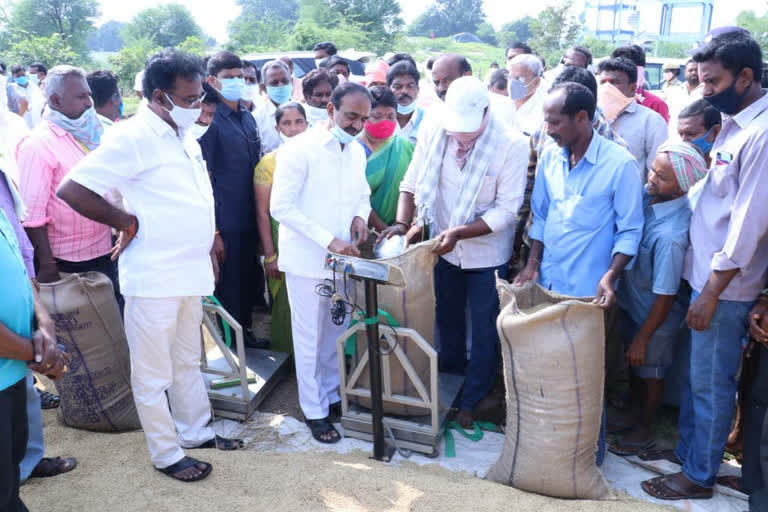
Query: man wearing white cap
point(466, 183)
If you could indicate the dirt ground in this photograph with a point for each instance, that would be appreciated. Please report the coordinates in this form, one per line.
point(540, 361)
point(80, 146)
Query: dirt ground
point(115, 474)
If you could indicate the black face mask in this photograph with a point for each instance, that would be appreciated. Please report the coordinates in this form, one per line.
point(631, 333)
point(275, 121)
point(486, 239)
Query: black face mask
point(727, 101)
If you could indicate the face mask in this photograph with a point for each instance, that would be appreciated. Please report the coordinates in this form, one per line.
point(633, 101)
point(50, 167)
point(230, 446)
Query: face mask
point(381, 130)
point(612, 101)
point(183, 118)
point(727, 101)
point(22, 80)
point(34, 79)
point(317, 62)
point(121, 108)
point(702, 143)
point(284, 137)
point(232, 88)
point(250, 92)
point(196, 131)
point(406, 110)
point(315, 114)
point(341, 135)
point(87, 128)
point(518, 89)
point(280, 93)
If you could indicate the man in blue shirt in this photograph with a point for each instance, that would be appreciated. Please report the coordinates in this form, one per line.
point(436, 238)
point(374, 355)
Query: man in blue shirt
point(587, 203)
point(652, 311)
point(231, 148)
point(17, 346)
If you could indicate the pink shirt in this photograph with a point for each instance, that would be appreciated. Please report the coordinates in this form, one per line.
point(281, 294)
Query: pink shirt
point(44, 157)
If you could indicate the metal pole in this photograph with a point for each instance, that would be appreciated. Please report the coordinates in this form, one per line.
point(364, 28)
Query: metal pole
point(374, 364)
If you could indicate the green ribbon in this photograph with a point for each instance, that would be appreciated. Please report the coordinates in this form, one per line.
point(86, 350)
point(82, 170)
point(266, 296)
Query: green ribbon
point(350, 347)
point(475, 436)
point(227, 333)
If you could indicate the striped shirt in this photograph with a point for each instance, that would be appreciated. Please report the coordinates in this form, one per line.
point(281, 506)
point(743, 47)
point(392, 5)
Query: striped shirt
point(44, 158)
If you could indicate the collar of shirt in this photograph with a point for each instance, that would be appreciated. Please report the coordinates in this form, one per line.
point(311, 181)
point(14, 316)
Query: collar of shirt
point(632, 107)
point(746, 116)
point(661, 210)
point(226, 111)
point(591, 154)
point(155, 122)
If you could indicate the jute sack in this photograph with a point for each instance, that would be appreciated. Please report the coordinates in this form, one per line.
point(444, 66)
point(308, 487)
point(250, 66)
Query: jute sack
point(553, 351)
point(412, 307)
point(96, 391)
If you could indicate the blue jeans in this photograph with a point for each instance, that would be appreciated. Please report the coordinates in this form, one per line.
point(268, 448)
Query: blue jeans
point(708, 401)
point(453, 286)
point(35, 442)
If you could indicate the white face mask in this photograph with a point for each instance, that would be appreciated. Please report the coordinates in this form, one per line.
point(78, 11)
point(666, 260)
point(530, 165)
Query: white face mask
point(183, 118)
point(317, 62)
point(315, 114)
point(196, 131)
point(250, 92)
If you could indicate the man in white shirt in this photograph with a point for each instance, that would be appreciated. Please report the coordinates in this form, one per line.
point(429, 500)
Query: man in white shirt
point(403, 78)
point(167, 261)
point(643, 129)
point(321, 199)
point(527, 91)
point(466, 182)
point(276, 84)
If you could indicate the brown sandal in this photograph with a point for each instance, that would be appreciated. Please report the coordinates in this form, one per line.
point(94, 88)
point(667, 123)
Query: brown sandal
point(667, 488)
point(654, 455)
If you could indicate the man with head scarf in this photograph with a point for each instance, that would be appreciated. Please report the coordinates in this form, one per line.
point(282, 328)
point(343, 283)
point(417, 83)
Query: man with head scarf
point(651, 308)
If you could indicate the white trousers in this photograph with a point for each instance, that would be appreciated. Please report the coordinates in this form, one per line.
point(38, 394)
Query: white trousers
point(164, 341)
point(314, 346)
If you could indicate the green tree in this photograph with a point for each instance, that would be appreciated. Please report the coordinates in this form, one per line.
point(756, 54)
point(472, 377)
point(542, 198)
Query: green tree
point(50, 50)
point(598, 47)
point(554, 30)
point(758, 25)
point(132, 59)
point(449, 17)
point(107, 38)
point(166, 25)
point(287, 10)
point(670, 50)
point(487, 34)
point(515, 31)
point(344, 35)
point(71, 20)
point(253, 34)
point(194, 45)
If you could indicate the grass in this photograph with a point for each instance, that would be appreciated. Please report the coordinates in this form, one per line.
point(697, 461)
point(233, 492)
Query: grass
point(130, 103)
point(480, 55)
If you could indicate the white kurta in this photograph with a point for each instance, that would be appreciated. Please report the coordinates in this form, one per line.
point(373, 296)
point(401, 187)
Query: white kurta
point(319, 188)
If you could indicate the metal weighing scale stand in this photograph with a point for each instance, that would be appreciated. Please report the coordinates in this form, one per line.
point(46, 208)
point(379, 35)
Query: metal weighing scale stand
point(264, 368)
point(419, 433)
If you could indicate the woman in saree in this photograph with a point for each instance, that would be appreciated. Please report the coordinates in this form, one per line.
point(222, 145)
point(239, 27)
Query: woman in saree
point(291, 120)
point(388, 157)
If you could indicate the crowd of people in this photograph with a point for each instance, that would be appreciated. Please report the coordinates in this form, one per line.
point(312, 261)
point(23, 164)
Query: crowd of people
point(235, 181)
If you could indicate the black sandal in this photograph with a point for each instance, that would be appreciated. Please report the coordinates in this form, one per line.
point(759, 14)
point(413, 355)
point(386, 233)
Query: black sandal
point(49, 400)
point(53, 466)
point(323, 427)
point(222, 443)
point(187, 462)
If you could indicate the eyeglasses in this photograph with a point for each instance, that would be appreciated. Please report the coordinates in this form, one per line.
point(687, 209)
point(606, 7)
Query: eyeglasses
point(188, 102)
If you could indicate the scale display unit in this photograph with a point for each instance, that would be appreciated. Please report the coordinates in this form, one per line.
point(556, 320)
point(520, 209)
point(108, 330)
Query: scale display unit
point(234, 389)
point(436, 396)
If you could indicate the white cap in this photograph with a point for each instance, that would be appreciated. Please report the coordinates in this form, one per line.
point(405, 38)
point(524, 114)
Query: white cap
point(137, 83)
point(465, 104)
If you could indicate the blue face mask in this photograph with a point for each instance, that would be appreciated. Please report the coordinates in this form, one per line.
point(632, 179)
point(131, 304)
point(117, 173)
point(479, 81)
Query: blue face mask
point(22, 80)
point(121, 108)
point(404, 111)
point(702, 143)
point(280, 93)
point(341, 135)
point(232, 88)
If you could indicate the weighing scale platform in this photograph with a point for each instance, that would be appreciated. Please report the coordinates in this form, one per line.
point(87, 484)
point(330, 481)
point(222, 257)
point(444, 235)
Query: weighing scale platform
point(411, 432)
point(268, 367)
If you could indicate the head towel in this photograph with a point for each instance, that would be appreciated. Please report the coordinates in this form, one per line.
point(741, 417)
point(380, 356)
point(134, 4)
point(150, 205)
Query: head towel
point(687, 161)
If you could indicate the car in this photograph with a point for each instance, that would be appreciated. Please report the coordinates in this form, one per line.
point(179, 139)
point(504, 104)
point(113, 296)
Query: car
point(304, 62)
